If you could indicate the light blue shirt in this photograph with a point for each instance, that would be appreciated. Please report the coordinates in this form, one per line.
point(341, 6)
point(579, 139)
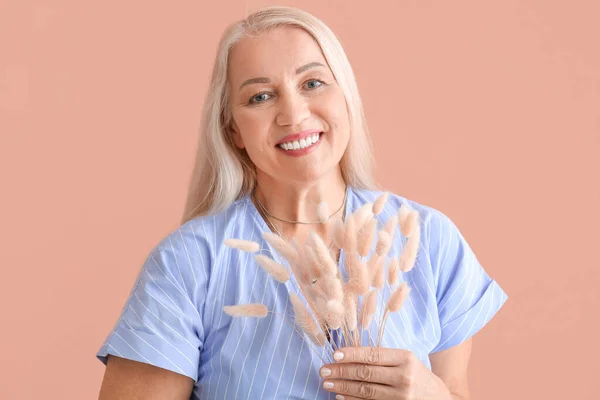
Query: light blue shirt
point(174, 315)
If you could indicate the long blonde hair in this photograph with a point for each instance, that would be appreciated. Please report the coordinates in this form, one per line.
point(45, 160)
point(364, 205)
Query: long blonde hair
point(222, 172)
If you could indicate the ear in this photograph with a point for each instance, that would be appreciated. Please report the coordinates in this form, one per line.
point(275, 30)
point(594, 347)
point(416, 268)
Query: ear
point(235, 135)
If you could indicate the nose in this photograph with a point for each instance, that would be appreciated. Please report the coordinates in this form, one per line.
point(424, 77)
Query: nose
point(293, 109)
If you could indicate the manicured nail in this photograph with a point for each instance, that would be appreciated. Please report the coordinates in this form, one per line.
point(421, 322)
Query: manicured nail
point(328, 385)
point(325, 372)
point(339, 397)
point(338, 355)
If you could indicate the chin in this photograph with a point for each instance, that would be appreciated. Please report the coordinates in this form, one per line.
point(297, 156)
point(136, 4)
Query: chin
point(312, 173)
point(299, 176)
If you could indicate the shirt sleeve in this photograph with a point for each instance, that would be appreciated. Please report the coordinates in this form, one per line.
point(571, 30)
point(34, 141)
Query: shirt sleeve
point(467, 298)
point(160, 323)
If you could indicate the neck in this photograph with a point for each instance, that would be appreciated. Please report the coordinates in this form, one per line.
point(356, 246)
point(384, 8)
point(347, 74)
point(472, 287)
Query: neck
point(298, 201)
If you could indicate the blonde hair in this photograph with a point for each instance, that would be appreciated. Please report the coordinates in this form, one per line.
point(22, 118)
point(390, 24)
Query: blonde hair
point(222, 172)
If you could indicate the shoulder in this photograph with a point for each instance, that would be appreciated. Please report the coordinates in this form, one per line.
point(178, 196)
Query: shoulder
point(197, 243)
point(207, 231)
point(438, 230)
point(430, 217)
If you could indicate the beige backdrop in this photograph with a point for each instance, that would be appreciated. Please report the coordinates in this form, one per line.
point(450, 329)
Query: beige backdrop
point(486, 110)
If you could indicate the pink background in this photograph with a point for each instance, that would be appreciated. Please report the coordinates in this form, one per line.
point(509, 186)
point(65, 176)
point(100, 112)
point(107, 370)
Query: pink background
point(495, 103)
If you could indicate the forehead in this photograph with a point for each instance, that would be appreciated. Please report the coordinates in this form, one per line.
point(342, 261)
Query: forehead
point(272, 53)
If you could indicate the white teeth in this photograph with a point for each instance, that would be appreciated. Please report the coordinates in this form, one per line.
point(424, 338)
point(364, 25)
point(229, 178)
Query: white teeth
point(301, 144)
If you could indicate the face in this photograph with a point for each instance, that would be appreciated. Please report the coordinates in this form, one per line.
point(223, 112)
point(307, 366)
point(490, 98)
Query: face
point(289, 113)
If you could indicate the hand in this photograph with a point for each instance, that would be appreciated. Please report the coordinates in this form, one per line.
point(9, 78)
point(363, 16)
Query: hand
point(380, 373)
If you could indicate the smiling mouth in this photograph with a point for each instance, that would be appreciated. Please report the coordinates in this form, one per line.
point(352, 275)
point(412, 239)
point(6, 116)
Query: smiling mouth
point(301, 144)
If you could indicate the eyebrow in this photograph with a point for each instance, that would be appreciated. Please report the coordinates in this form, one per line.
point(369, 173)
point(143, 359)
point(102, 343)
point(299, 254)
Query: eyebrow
point(267, 80)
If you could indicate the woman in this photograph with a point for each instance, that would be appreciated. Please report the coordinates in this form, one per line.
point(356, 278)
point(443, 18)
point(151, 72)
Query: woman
point(283, 130)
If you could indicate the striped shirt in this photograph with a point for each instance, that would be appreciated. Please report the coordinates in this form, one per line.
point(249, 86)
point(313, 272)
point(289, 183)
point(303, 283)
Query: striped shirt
point(174, 315)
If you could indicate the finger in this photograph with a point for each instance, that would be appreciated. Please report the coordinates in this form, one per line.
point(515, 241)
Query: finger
point(346, 397)
point(373, 355)
point(362, 390)
point(360, 372)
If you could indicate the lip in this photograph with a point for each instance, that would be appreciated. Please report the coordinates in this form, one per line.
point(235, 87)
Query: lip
point(298, 136)
point(301, 152)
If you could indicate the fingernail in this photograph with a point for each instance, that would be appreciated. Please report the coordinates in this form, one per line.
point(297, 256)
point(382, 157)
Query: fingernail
point(338, 355)
point(339, 397)
point(328, 385)
point(325, 372)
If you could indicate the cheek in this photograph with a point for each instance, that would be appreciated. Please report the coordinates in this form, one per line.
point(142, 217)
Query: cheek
point(252, 127)
point(335, 112)
point(340, 127)
point(245, 122)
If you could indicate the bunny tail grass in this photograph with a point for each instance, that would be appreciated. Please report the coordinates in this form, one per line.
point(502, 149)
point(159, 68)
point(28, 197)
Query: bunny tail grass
point(394, 304)
point(350, 234)
point(244, 245)
point(302, 316)
point(323, 212)
point(366, 236)
point(359, 278)
point(393, 269)
point(339, 231)
point(391, 225)
point(332, 287)
point(368, 309)
point(311, 263)
point(412, 220)
point(411, 248)
point(380, 203)
point(363, 215)
point(350, 310)
point(323, 257)
point(379, 274)
point(273, 268)
point(332, 313)
point(384, 243)
point(397, 298)
point(282, 246)
point(403, 212)
point(335, 306)
point(247, 310)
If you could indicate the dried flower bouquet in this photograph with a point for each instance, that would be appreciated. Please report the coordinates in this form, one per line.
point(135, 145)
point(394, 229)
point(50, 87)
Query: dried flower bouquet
point(332, 300)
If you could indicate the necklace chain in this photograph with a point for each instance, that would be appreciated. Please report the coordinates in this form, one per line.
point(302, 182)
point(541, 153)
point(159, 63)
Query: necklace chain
point(264, 209)
point(268, 220)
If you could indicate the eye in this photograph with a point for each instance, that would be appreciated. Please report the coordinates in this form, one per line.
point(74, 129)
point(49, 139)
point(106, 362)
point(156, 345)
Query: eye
point(314, 83)
point(259, 98)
